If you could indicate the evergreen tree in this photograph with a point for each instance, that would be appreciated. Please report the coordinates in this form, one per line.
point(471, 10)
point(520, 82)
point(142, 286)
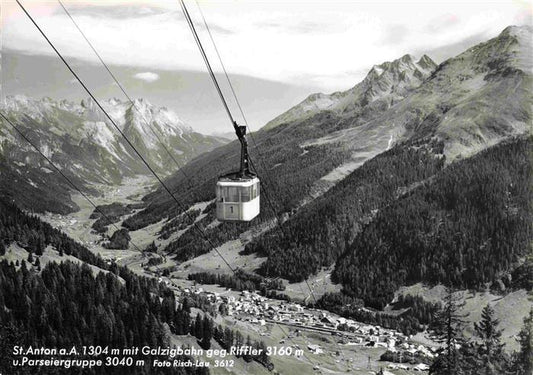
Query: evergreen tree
point(30, 257)
point(223, 309)
point(228, 338)
point(152, 248)
point(218, 334)
point(248, 357)
point(491, 349)
point(263, 357)
point(2, 248)
point(186, 305)
point(523, 359)
point(198, 327)
point(207, 332)
point(447, 328)
point(239, 339)
point(39, 249)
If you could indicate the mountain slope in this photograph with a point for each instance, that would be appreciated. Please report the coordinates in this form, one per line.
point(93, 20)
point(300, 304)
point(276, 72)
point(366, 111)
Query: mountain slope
point(448, 112)
point(471, 101)
point(64, 302)
point(465, 225)
point(88, 148)
point(468, 103)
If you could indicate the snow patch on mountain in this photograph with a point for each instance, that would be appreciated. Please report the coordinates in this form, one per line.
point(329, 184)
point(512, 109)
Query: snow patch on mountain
point(100, 133)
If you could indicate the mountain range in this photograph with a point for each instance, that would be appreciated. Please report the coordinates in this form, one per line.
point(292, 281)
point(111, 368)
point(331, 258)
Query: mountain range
point(84, 144)
point(385, 84)
point(187, 92)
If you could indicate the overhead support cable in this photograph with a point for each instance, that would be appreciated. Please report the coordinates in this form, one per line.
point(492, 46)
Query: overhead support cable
point(240, 108)
point(165, 187)
point(121, 87)
point(206, 60)
point(69, 180)
point(217, 86)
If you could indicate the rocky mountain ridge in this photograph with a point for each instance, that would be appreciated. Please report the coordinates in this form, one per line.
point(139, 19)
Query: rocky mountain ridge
point(86, 146)
point(387, 83)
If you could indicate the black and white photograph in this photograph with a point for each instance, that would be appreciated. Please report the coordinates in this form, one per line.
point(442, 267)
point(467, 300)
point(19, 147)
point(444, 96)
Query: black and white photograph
point(253, 187)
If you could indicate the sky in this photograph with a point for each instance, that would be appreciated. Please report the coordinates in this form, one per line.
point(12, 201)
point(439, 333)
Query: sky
point(327, 45)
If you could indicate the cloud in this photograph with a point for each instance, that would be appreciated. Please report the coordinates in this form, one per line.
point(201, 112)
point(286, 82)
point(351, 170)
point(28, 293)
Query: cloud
point(442, 22)
point(112, 11)
point(215, 29)
point(441, 53)
point(147, 76)
point(394, 34)
point(303, 27)
point(317, 40)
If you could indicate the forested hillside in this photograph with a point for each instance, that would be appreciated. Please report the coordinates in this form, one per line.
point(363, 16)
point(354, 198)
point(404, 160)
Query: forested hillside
point(50, 187)
point(290, 171)
point(322, 230)
point(65, 306)
point(469, 226)
point(34, 235)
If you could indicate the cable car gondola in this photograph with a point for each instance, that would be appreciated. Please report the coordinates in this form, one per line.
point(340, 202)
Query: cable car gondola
point(238, 192)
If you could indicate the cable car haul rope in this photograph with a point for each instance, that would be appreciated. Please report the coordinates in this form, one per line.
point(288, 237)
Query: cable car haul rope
point(237, 193)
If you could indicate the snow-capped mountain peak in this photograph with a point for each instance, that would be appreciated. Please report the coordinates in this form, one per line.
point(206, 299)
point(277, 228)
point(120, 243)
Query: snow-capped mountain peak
point(80, 134)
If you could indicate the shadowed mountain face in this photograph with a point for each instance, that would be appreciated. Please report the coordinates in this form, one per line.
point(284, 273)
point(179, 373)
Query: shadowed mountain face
point(87, 147)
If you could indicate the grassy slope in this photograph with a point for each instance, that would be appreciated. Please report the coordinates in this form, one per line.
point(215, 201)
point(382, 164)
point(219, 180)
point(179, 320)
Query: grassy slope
point(510, 308)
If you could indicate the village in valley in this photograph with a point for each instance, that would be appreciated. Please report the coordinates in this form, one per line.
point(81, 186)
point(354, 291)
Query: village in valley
point(398, 352)
point(338, 343)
